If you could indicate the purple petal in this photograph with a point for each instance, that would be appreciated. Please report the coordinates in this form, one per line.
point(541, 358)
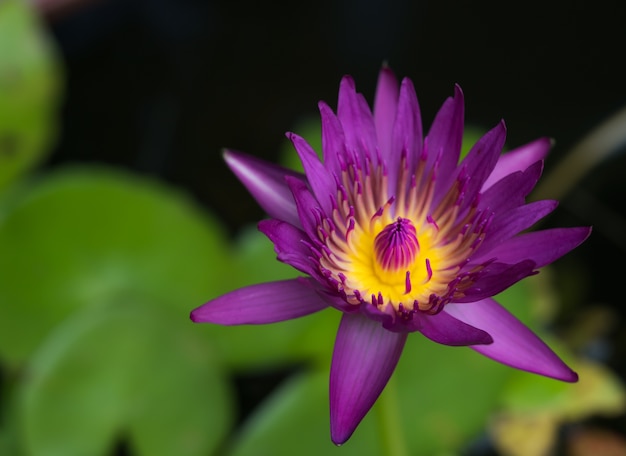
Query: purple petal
point(541, 247)
point(290, 245)
point(447, 330)
point(511, 190)
point(495, 278)
point(364, 358)
point(513, 343)
point(333, 139)
point(321, 181)
point(260, 304)
point(446, 134)
point(357, 121)
point(518, 160)
point(385, 106)
point(407, 137)
point(266, 183)
point(481, 159)
point(515, 221)
point(335, 300)
point(306, 206)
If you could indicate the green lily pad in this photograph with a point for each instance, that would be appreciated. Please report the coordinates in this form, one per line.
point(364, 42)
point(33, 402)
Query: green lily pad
point(89, 237)
point(129, 374)
point(9, 430)
point(255, 260)
point(445, 395)
point(30, 89)
point(295, 420)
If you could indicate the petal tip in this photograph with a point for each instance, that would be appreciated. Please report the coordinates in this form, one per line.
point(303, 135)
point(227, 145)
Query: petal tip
point(485, 339)
point(323, 106)
point(293, 137)
point(195, 317)
point(339, 438)
point(458, 92)
point(347, 82)
point(561, 372)
point(227, 154)
point(385, 70)
point(341, 431)
point(571, 377)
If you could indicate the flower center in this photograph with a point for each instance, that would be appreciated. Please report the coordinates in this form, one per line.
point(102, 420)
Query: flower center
point(396, 246)
point(387, 264)
point(398, 249)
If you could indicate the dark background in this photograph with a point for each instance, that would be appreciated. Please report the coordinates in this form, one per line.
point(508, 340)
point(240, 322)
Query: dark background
point(161, 86)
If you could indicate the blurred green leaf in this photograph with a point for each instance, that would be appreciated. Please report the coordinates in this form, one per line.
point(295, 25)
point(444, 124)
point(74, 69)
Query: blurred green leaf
point(307, 339)
point(30, 89)
point(295, 420)
point(254, 260)
point(124, 373)
point(89, 237)
point(445, 395)
point(9, 427)
point(598, 391)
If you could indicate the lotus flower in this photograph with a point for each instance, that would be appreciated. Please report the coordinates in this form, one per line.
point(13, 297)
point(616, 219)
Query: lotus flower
point(400, 236)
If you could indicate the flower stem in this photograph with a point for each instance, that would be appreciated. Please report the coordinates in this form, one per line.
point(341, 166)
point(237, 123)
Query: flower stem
point(388, 414)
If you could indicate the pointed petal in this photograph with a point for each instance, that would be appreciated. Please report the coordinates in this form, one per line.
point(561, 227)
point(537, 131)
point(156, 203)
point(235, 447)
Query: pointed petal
point(518, 160)
point(447, 330)
point(260, 304)
point(541, 247)
point(321, 181)
point(481, 159)
point(357, 121)
point(385, 106)
point(290, 245)
point(511, 190)
point(407, 137)
point(333, 139)
point(364, 358)
point(514, 221)
point(495, 278)
point(513, 343)
point(306, 205)
point(266, 183)
point(446, 134)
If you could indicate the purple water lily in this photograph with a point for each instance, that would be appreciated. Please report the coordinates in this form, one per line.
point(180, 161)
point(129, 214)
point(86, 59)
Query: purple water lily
point(397, 234)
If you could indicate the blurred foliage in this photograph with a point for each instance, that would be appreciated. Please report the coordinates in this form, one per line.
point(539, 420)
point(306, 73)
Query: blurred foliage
point(99, 269)
point(30, 89)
